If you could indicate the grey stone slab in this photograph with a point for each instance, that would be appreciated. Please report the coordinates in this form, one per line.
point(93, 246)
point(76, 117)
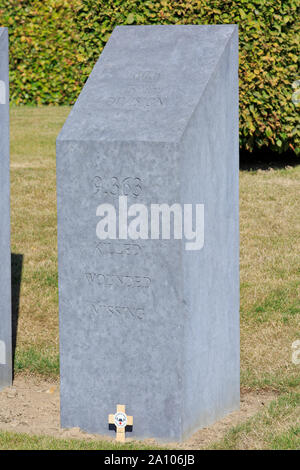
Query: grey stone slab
point(147, 323)
point(5, 262)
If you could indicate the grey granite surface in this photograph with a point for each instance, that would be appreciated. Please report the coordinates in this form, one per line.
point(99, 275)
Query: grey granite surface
point(146, 323)
point(5, 262)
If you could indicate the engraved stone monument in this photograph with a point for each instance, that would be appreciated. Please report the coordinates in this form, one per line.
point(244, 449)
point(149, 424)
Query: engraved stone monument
point(5, 262)
point(149, 315)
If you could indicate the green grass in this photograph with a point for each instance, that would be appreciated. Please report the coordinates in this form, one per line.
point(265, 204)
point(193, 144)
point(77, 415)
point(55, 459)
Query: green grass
point(277, 427)
point(278, 380)
point(16, 441)
point(289, 440)
point(35, 361)
point(280, 300)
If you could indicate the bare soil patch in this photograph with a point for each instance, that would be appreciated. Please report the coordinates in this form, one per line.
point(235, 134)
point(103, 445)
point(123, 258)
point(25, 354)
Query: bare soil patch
point(31, 406)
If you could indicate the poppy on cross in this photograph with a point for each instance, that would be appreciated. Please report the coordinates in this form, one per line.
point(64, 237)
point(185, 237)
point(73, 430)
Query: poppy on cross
point(120, 420)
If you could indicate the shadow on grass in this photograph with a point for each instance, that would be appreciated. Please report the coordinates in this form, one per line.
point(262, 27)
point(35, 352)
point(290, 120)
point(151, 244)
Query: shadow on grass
point(16, 279)
point(264, 159)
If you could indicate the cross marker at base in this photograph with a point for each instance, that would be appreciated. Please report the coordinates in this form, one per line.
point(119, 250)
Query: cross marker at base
point(120, 420)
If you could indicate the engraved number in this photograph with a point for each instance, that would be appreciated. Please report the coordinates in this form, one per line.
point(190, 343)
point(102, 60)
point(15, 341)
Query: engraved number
point(129, 186)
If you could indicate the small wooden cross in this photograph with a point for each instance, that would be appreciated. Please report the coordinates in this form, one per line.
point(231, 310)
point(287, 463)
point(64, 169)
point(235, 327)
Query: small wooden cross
point(120, 420)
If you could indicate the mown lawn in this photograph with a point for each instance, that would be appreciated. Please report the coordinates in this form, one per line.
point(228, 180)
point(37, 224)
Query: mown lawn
point(17, 441)
point(270, 273)
point(276, 428)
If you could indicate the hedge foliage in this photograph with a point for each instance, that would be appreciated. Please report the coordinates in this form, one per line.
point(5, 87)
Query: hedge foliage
point(55, 43)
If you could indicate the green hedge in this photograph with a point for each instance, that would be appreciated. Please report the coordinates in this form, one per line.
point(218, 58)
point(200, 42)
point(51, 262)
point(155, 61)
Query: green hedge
point(55, 43)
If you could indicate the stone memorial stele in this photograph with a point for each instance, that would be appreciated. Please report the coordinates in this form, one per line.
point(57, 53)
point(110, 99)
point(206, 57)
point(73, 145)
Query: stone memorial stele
point(150, 319)
point(5, 262)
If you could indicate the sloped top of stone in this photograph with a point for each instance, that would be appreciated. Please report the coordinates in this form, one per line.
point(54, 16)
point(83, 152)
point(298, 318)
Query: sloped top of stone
point(147, 83)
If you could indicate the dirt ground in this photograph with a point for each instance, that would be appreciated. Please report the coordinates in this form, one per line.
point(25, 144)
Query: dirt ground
point(32, 406)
